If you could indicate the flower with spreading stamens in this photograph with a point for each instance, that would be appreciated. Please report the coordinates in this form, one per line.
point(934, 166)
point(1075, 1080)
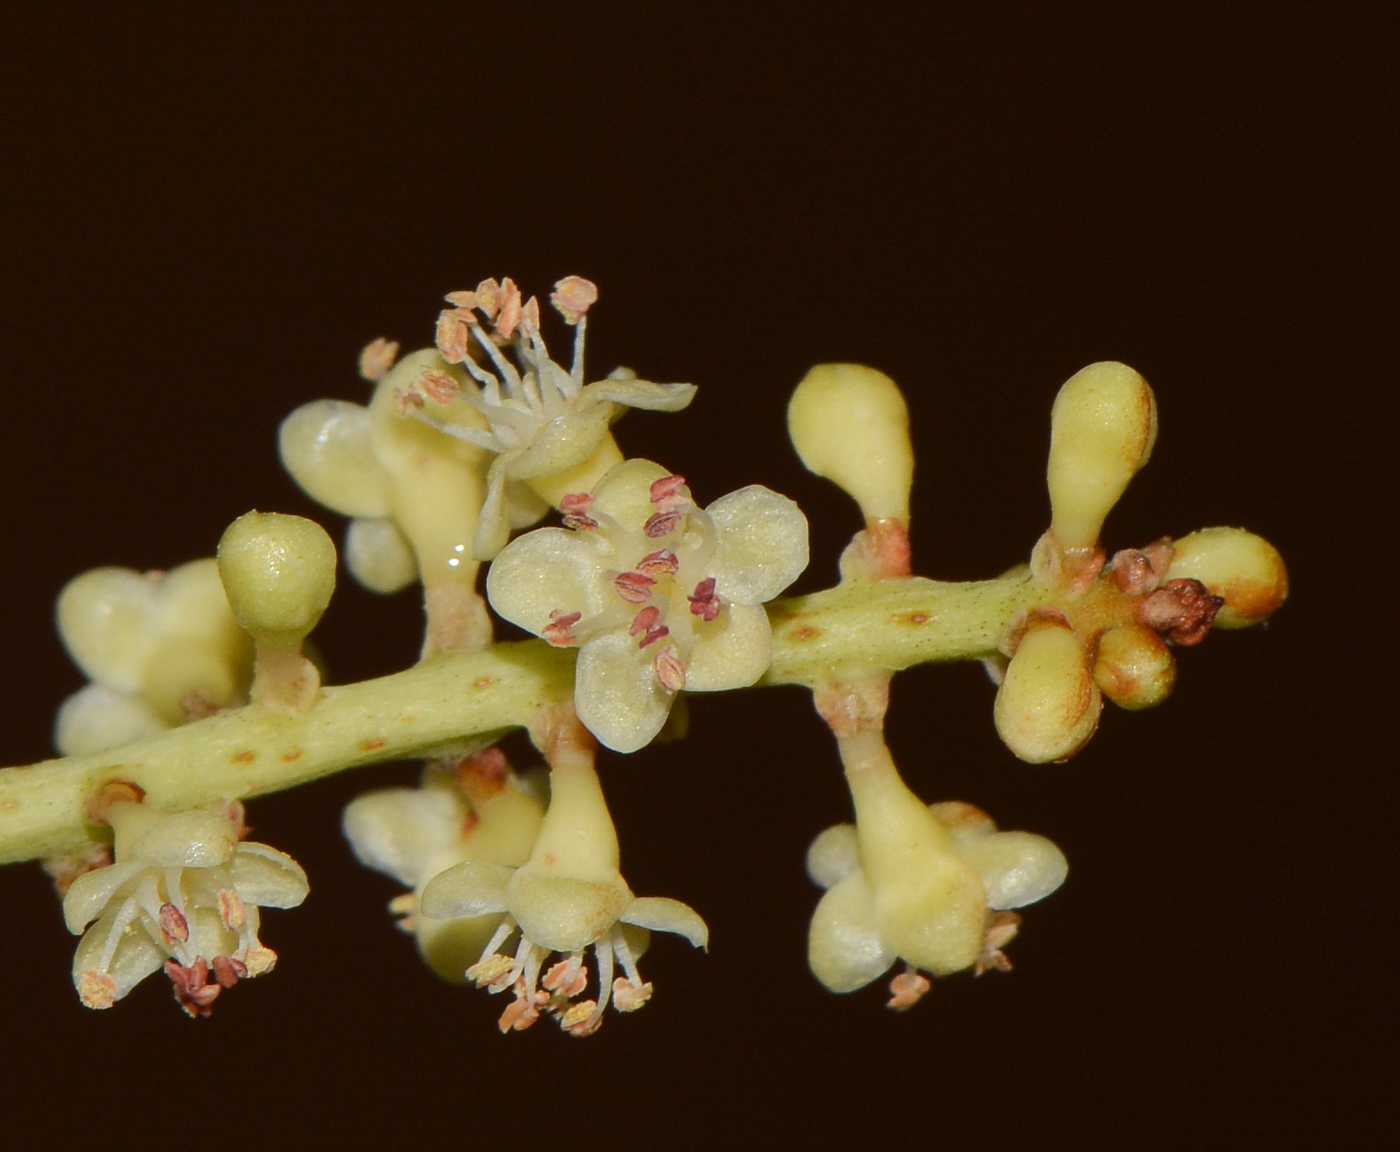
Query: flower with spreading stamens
point(183, 894)
point(657, 594)
point(543, 421)
point(567, 898)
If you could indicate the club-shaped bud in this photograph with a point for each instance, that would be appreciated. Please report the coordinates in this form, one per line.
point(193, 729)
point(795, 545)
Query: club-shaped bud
point(1103, 425)
point(1048, 704)
point(279, 573)
point(850, 425)
point(1245, 569)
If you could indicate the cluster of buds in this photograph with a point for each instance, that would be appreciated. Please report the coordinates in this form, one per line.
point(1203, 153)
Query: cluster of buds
point(161, 649)
point(182, 894)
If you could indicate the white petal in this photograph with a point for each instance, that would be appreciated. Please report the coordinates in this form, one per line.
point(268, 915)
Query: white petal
point(833, 855)
point(642, 394)
point(379, 556)
point(493, 528)
point(104, 620)
point(397, 831)
point(547, 570)
point(616, 693)
point(325, 445)
point(266, 877)
point(91, 892)
point(1017, 868)
point(625, 492)
point(186, 840)
point(660, 914)
point(732, 651)
point(844, 948)
point(525, 506)
point(562, 444)
point(762, 544)
point(96, 718)
point(135, 955)
point(472, 888)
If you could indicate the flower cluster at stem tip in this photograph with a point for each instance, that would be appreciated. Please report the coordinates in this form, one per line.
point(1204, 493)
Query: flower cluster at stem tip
point(512, 879)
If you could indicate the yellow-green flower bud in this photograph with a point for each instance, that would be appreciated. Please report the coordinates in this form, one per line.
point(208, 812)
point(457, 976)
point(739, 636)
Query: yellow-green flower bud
point(1243, 568)
point(1048, 705)
point(1103, 425)
point(1134, 667)
point(279, 573)
point(850, 425)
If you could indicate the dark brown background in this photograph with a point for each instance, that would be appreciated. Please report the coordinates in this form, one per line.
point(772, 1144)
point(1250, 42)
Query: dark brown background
point(203, 219)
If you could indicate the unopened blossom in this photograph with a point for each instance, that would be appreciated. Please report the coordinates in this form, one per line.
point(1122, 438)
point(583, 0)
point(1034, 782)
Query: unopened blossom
point(931, 886)
point(472, 808)
point(184, 895)
point(161, 649)
point(542, 420)
point(658, 594)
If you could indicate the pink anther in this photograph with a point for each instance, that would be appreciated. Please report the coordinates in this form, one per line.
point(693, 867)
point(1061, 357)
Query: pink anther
point(645, 620)
point(488, 297)
point(653, 635)
point(573, 296)
point(530, 314)
point(666, 488)
point(403, 401)
point(466, 301)
point(228, 971)
point(559, 629)
point(440, 387)
point(670, 672)
point(634, 587)
point(377, 357)
point(452, 337)
point(580, 522)
point(509, 317)
point(662, 563)
point(576, 502)
point(703, 601)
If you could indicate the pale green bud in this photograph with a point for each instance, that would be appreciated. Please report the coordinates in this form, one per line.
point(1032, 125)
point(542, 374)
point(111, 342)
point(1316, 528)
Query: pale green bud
point(850, 425)
point(1103, 426)
point(1134, 667)
point(279, 573)
point(1243, 568)
point(1048, 705)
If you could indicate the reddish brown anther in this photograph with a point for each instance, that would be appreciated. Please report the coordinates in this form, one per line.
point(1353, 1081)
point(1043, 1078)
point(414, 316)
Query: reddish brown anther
point(576, 502)
point(906, 990)
point(228, 971)
point(573, 296)
point(453, 337)
point(1001, 929)
point(662, 523)
point(634, 587)
point(403, 401)
point(173, 925)
point(703, 601)
point(1182, 610)
point(193, 990)
point(377, 357)
point(669, 670)
point(439, 386)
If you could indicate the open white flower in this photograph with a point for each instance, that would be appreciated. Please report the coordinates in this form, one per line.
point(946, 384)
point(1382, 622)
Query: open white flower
point(658, 594)
point(184, 894)
point(542, 421)
point(937, 894)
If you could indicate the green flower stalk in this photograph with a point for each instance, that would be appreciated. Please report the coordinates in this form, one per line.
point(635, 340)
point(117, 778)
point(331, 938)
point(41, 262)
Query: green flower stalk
point(203, 694)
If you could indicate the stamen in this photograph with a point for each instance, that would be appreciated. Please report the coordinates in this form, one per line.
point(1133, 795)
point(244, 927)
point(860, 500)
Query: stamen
point(452, 338)
point(573, 296)
point(492, 973)
point(568, 977)
point(509, 319)
point(530, 313)
point(464, 301)
point(634, 587)
point(580, 523)
point(645, 620)
point(173, 925)
point(231, 909)
point(377, 357)
point(906, 990)
point(582, 1019)
point(670, 672)
point(557, 631)
point(662, 563)
point(403, 401)
point(488, 297)
point(576, 501)
point(703, 601)
point(662, 523)
point(228, 971)
point(653, 635)
point(666, 489)
point(628, 996)
point(440, 387)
